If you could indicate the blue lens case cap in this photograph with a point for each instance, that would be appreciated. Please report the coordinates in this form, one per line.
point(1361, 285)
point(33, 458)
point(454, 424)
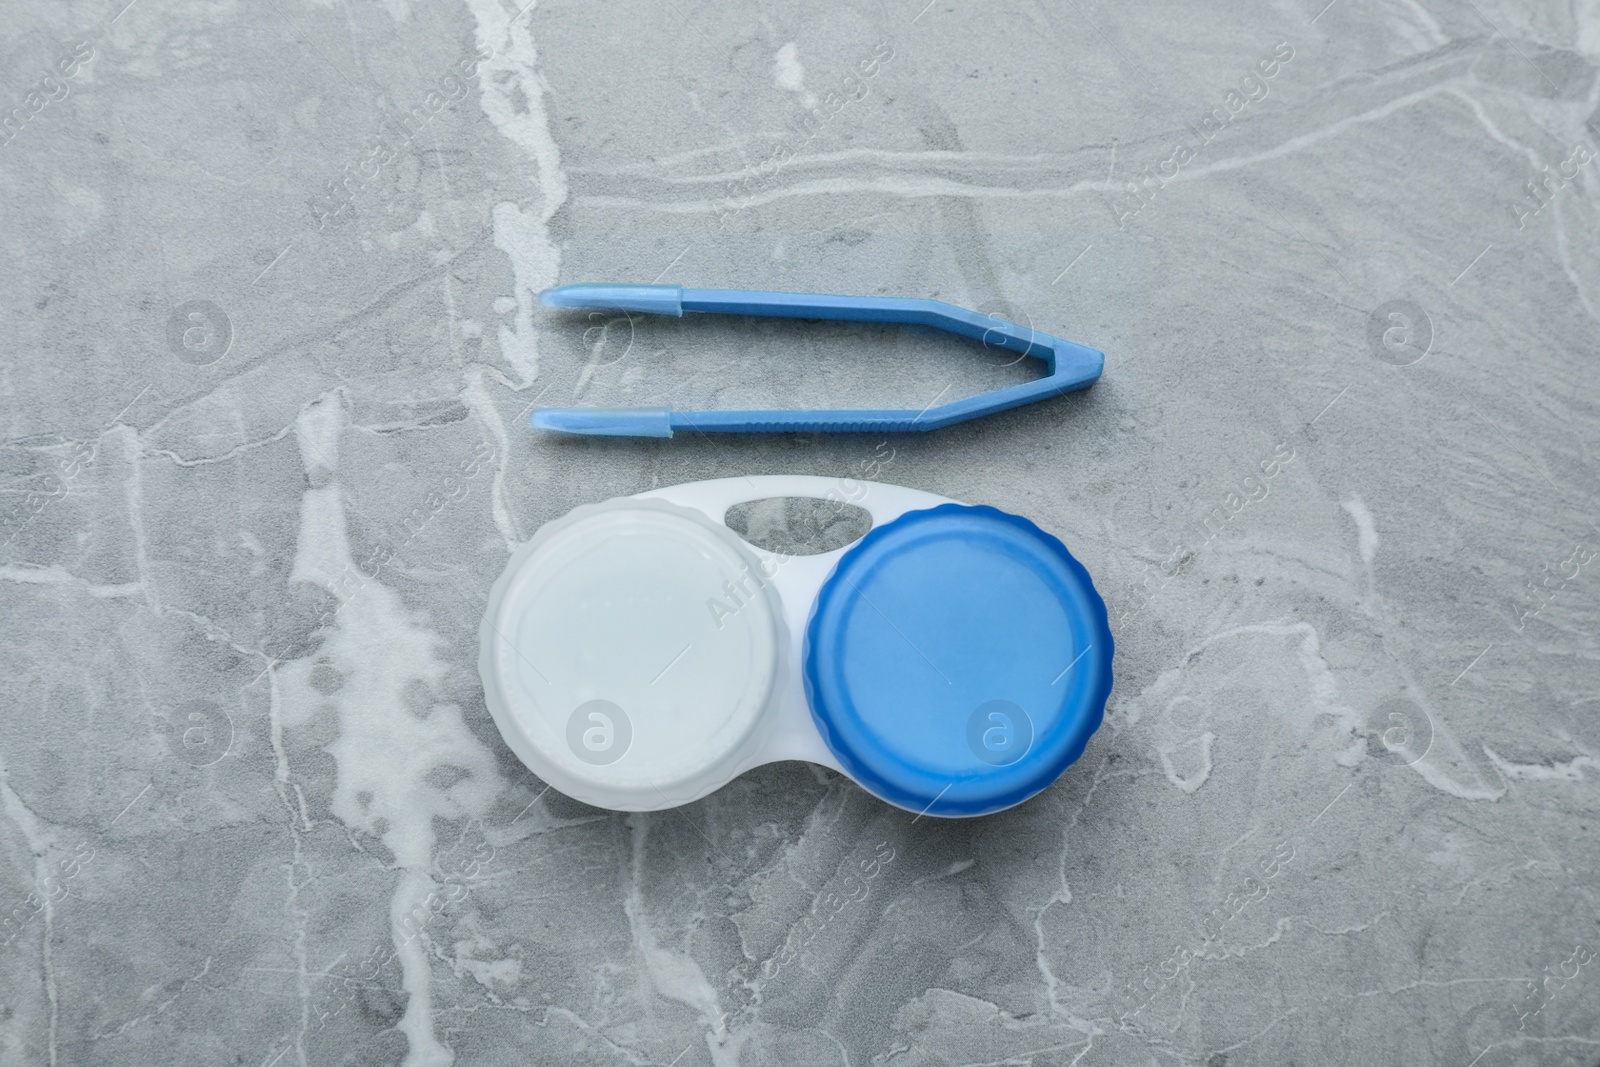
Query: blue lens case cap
point(957, 660)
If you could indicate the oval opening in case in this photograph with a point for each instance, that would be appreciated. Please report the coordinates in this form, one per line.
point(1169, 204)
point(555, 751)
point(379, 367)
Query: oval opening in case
point(798, 525)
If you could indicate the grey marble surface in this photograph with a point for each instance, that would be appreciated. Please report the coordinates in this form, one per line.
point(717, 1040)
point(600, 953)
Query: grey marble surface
point(269, 314)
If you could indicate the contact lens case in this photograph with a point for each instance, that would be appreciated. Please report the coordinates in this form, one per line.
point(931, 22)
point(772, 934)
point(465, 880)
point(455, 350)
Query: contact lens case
point(637, 654)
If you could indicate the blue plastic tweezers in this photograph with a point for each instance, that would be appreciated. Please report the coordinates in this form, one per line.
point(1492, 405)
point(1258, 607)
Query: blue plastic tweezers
point(1069, 366)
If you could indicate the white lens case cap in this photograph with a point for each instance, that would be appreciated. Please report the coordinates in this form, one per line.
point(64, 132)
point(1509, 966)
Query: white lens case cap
point(637, 654)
